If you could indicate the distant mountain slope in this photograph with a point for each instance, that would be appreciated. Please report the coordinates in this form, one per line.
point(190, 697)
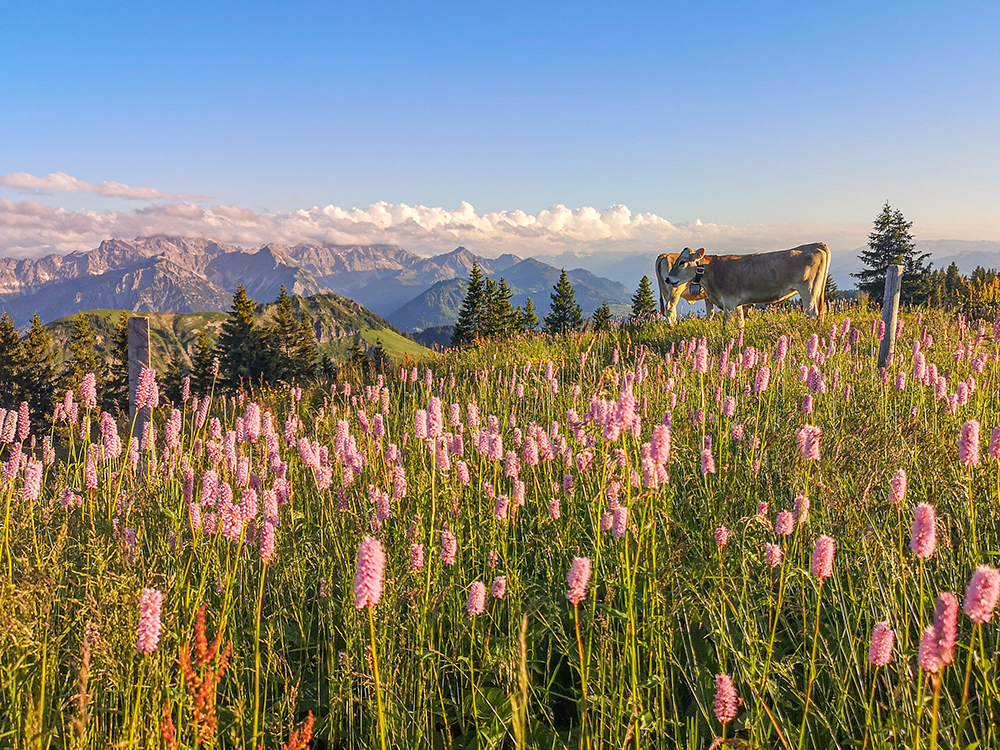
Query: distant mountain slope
point(438, 306)
point(335, 319)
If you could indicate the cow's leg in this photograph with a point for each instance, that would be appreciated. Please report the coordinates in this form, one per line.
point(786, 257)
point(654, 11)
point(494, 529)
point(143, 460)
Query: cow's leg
point(810, 301)
point(708, 308)
point(739, 317)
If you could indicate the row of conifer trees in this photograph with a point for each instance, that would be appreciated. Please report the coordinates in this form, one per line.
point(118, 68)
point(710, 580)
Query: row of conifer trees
point(487, 312)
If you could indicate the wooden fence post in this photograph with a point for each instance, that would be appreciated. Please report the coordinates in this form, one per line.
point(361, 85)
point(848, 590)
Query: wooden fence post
point(138, 358)
point(890, 312)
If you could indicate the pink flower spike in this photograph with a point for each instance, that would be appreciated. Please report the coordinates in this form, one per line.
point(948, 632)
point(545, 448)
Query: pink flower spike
point(773, 554)
point(982, 594)
point(476, 603)
point(150, 603)
point(929, 654)
point(946, 626)
point(897, 487)
point(369, 573)
point(923, 537)
point(880, 651)
point(499, 587)
point(968, 444)
point(578, 578)
point(727, 701)
point(785, 523)
point(721, 536)
point(822, 558)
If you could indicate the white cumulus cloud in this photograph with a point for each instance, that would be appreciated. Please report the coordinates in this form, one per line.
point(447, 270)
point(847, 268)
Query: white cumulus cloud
point(29, 228)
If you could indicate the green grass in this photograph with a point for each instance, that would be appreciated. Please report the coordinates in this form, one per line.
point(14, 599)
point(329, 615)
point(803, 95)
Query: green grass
point(666, 608)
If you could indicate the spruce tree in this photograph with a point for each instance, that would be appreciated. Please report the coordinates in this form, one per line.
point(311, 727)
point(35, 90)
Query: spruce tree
point(202, 365)
point(643, 303)
point(357, 352)
point(831, 291)
point(529, 317)
point(281, 337)
point(241, 347)
point(565, 315)
point(83, 357)
point(38, 379)
point(601, 319)
point(11, 363)
point(468, 325)
point(114, 396)
point(952, 279)
point(890, 243)
point(306, 349)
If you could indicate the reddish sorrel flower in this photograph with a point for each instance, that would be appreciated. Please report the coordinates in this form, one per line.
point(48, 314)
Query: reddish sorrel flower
point(822, 558)
point(727, 701)
point(150, 603)
point(923, 538)
point(369, 573)
point(982, 594)
point(619, 522)
point(578, 578)
point(883, 638)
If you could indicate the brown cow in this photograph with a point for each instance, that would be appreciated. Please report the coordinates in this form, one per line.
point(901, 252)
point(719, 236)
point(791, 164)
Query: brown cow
point(730, 281)
point(670, 296)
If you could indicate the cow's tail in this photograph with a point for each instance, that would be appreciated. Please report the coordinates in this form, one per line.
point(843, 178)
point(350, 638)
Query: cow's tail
point(659, 285)
point(821, 302)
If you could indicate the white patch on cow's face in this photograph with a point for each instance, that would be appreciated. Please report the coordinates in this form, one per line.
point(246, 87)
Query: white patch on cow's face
point(683, 270)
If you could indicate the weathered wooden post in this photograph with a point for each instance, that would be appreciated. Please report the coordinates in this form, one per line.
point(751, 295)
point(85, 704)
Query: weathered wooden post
point(890, 312)
point(138, 357)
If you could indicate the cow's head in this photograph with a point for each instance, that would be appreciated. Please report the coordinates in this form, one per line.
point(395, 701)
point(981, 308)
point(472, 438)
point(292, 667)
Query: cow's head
point(684, 269)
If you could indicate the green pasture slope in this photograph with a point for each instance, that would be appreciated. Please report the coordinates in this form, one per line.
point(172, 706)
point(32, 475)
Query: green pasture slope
point(336, 320)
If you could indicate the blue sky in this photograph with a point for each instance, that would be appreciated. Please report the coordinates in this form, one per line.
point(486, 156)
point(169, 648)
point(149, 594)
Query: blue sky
point(802, 116)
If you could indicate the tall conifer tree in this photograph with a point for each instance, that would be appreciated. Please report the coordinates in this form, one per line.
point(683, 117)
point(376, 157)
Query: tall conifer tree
point(566, 314)
point(38, 379)
point(11, 363)
point(470, 316)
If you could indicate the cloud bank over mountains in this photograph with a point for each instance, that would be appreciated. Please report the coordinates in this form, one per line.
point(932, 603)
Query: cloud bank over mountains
point(29, 228)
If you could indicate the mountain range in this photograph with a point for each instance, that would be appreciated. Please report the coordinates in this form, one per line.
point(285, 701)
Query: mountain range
point(199, 274)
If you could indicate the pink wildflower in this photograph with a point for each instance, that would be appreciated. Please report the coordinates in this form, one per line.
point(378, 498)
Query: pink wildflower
point(923, 537)
point(897, 487)
point(880, 651)
point(369, 573)
point(822, 558)
point(946, 625)
point(773, 555)
point(929, 654)
point(267, 534)
point(476, 603)
point(727, 701)
point(968, 445)
point(721, 536)
point(619, 522)
point(499, 587)
point(982, 594)
point(416, 556)
point(577, 579)
point(785, 523)
point(449, 547)
point(554, 508)
point(150, 604)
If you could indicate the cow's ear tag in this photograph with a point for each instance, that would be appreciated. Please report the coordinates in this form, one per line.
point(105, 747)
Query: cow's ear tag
point(701, 252)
